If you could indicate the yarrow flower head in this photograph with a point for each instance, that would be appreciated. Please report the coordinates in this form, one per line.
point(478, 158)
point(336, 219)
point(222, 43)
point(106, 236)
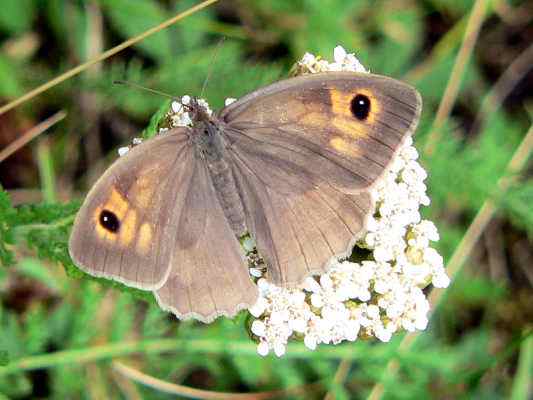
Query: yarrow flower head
point(375, 297)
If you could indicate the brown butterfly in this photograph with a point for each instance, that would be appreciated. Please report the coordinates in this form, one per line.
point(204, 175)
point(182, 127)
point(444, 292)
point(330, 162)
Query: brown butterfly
point(291, 163)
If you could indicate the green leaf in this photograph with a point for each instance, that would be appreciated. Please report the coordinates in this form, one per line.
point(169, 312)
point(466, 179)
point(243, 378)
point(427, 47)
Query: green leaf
point(133, 18)
point(17, 16)
point(7, 212)
point(523, 382)
point(157, 120)
point(517, 202)
point(10, 79)
point(69, 23)
point(191, 32)
point(34, 269)
point(401, 27)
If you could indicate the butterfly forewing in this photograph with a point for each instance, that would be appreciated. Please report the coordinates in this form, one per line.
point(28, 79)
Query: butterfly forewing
point(306, 152)
point(342, 126)
point(126, 228)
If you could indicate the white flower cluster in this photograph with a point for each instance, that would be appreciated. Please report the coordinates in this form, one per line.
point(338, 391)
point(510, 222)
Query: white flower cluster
point(310, 64)
point(373, 298)
point(377, 297)
point(125, 149)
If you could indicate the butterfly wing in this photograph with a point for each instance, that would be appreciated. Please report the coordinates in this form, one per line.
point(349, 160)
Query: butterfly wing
point(319, 123)
point(299, 234)
point(209, 275)
point(305, 158)
point(127, 225)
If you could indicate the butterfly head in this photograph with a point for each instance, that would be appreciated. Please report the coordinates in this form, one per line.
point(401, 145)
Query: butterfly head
point(197, 111)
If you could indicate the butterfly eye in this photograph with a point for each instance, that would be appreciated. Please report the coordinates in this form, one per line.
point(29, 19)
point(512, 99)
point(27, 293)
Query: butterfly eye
point(109, 221)
point(360, 106)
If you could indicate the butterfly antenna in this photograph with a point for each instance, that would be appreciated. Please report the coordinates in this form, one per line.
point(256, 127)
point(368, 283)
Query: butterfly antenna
point(153, 91)
point(210, 72)
point(147, 89)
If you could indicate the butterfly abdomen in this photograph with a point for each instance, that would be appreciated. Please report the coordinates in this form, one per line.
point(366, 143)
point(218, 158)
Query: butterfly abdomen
point(228, 195)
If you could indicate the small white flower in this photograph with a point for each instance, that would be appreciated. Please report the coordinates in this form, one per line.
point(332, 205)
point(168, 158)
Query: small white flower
point(258, 328)
point(310, 342)
point(345, 61)
point(176, 107)
point(383, 334)
point(263, 285)
point(311, 285)
point(297, 325)
point(248, 244)
point(279, 349)
point(123, 150)
point(441, 280)
point(316, 300)
point(229, 101)
point(256, 272)
point(339, 54)
point(259, 307)
point(262, 348)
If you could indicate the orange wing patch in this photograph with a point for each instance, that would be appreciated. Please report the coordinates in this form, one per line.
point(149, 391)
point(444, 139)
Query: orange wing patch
point(128, 228)
point(144, 187)
point(349, 128)
point(127, 217)
point(343, 146)
point(341, 105)
point(117, 204)
point(144, 242)
point(343, 119)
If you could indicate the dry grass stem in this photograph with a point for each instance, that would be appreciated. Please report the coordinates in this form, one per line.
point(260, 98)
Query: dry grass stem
point(454, 83)
point(28, 136)
point(111, 52)
point(192, 393)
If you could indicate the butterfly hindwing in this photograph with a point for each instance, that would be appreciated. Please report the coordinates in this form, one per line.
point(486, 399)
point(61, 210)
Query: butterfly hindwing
point(209, 275)
point(298, 234)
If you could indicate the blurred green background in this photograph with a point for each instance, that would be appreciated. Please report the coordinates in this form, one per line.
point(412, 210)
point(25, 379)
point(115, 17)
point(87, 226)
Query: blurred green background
point(63, 335)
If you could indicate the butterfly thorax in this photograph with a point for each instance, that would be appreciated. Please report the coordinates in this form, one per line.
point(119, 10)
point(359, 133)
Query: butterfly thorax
point(210, 145)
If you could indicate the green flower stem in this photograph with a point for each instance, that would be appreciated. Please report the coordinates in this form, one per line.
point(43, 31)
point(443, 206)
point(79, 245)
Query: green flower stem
point(199, 346)
point(24, 229)
point(522, 385)
point(46, 170)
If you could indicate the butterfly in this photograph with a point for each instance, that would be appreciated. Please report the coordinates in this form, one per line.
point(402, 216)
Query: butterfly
point(292, 164)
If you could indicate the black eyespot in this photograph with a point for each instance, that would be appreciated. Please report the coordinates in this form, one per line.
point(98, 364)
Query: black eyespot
point(360, 106)
point(109, 221)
